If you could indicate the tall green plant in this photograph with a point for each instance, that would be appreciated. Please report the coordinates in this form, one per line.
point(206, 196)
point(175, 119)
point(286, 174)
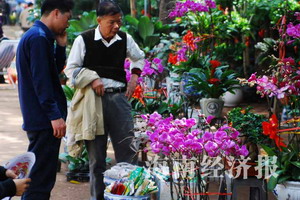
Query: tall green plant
point(144, 31)
point(88, 20)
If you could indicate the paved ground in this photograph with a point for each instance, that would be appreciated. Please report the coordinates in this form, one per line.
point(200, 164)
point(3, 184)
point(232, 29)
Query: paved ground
point(13, 140)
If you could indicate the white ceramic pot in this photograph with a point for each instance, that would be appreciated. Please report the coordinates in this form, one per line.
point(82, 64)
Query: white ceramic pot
point(109, 196)
point(211, 107)
point(232, 100)
point(288, 190)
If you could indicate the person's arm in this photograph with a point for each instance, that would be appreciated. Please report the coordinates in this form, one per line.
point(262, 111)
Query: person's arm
point(7, 188)
point(2, 173)
point(136, 56)
point(75, 62)
point(41, 74)
point(75, 58)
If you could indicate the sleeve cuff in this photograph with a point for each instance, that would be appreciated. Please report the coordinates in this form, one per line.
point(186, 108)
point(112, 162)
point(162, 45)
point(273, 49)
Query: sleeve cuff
point(2, 173)
point(136, 71)
point(9, 187)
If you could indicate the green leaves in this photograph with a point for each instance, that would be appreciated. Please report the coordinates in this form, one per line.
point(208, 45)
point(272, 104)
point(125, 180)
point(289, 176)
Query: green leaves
point(274, 180)
point(249, 124)
point(88, 20)
point(210, 83)
point(144, 31)
point(288, 163)
point(69, 92)
point(132, 21)
point(145, 27)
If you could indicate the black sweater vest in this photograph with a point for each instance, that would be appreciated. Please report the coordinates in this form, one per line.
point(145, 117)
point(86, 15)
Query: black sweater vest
point(108, 62)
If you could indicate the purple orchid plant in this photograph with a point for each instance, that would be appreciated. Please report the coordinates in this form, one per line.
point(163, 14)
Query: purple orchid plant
point(169, 136)
point(151, 68)
point(181, 8)
point(284, 80)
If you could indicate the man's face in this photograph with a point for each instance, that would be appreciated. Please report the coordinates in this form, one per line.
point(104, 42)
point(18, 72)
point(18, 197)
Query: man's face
point(109, 25)
point(62, 22)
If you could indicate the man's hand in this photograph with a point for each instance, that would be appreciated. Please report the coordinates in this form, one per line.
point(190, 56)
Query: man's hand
point(21, 185)
point(98, 87)
point(131, 85)
point(11, 174)
point(62, 39)
point(59, 128)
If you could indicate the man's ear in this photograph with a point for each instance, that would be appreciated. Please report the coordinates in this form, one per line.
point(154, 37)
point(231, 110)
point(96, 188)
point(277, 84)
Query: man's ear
point(55, 12)
point(99, 19)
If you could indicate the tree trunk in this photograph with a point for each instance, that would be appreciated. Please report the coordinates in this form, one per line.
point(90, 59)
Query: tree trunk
point(132, 8)
point(165, 8)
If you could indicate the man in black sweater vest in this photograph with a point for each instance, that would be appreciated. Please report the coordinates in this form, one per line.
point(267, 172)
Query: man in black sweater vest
point(9, 185)
point(104, 50)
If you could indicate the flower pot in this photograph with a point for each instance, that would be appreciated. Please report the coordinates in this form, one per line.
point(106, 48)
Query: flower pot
point(211, 107)
point(109, 196)
point(232, 100)
point(288, 190)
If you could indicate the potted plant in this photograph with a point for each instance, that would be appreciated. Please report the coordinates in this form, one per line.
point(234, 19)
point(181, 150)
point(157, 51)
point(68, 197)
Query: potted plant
point(249, 124)
point(286, 178)
point(185, 150)
point(282, 83)
point(210, 83)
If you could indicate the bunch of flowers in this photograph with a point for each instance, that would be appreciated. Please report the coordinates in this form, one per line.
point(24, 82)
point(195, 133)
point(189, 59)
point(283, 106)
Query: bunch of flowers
point(284, 80)
point(294, 30)
point(186, 149)
point(186, 52)
point(170, 136)
point(181, 8)
point(152, 67)
point(146, 98)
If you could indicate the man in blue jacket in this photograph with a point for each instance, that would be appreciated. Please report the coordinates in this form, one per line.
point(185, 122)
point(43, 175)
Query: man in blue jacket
point(40, 58)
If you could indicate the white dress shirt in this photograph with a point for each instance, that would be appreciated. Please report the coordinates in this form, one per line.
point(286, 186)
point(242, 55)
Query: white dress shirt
point(77, 53)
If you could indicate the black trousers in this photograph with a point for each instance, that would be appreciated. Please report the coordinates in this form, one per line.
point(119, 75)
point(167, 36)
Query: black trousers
point(118, 124)
point(43, 174)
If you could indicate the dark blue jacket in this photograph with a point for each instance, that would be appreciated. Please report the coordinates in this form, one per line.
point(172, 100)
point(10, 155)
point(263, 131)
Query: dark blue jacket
point(39, 63)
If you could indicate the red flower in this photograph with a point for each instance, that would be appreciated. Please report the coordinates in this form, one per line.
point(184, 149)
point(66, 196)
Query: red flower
point(172, 59)
point(270, 129)
point(247, 42)
point(190, 40)
point(138, 94)
point(213, 80)
point(215, 63)
point(261, 33)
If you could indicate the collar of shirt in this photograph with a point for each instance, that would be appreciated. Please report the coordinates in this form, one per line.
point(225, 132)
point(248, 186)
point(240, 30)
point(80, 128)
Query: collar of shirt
point(48, 32)
point(98, 36)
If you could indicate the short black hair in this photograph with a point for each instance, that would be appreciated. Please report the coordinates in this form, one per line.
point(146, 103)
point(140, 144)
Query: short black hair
point(30, 4)
point(108, 7)
point(62, 5)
